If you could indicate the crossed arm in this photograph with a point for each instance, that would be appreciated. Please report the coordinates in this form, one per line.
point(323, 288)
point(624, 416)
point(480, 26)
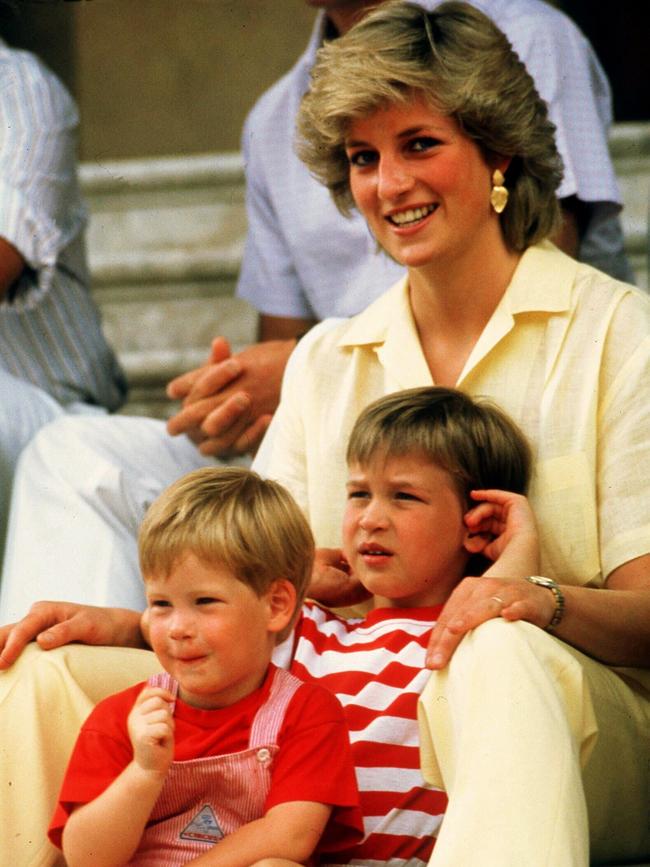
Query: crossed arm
point(227, 404)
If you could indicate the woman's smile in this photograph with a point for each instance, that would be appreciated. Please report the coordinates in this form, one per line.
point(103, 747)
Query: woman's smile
point(412, 216)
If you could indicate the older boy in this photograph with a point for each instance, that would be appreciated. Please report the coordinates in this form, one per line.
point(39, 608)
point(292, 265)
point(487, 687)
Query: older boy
point(225, 748)
point(414, 459)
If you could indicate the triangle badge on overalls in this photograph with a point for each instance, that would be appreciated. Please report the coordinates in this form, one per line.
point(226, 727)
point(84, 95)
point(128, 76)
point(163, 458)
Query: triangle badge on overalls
point(204, 826)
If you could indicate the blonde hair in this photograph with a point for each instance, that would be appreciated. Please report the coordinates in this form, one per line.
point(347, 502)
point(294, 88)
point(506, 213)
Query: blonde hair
point(473, 440)
point(231, 517)
point(464, 67)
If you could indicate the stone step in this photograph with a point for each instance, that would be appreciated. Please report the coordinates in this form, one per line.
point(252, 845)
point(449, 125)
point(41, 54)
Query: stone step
point(165, 242)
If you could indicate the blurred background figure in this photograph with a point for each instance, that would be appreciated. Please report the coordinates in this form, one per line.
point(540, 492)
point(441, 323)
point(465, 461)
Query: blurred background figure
point(54, 358)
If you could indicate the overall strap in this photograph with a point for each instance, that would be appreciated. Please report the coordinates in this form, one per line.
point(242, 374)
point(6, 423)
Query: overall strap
point(269, 718)
point(165, 681)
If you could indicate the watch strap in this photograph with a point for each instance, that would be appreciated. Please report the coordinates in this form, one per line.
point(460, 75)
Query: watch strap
point(553, 586)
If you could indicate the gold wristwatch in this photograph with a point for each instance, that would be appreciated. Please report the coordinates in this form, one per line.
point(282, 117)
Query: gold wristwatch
point(554, 587)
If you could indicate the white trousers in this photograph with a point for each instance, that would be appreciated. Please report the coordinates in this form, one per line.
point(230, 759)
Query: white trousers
point(517, 729)
point(543, 752)
point(80, 491)
point(24, 409)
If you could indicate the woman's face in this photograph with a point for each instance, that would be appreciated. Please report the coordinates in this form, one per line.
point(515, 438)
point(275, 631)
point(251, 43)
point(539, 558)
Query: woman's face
point(422, 185)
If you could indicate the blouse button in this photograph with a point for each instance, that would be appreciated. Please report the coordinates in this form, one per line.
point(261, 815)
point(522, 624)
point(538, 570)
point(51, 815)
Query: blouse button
point(263, 756)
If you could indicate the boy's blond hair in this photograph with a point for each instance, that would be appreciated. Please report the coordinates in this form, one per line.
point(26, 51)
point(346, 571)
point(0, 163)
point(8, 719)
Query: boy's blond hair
point(230, 517)
point(473, 440)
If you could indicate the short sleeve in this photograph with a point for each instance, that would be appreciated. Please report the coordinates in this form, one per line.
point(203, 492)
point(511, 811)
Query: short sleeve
point(41, 211)
point(314, 763)
point(623, 437)
point(268, 278)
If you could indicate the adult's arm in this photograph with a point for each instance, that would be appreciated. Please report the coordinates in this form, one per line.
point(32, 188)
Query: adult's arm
point(612, 622)
point(567, 238)
point(53, 624)
point(290, 328)
point(40, 209)
point(11, 266)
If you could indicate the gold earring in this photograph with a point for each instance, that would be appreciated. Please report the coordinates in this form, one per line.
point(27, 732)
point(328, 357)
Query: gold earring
point(499, 194)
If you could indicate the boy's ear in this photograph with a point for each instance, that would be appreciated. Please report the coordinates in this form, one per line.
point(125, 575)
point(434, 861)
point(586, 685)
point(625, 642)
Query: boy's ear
point(281, 599)
point(475, 543)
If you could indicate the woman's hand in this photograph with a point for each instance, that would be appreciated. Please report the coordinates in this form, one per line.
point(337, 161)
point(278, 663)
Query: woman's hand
point(476, 600)
point(508, 521)
point(151, 729)
point(332, 583)
point(53, 624)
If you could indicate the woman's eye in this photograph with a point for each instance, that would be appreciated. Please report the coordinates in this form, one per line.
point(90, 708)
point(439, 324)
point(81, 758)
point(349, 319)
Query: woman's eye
point(206, 600)
point(159, 603)
point(403, 495)
point(361, 159)
point(423, 143)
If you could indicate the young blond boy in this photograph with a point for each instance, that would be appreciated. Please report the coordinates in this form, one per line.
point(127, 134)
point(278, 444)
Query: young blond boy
point(225, 747)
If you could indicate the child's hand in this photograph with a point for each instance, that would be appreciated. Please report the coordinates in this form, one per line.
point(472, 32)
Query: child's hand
point(151, 729)
point(508, 520)
point(332, 583)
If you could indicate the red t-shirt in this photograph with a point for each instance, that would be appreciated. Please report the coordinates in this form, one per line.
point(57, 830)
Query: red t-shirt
point(313, 762)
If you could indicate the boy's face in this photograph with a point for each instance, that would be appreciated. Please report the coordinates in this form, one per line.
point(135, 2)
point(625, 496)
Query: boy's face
point(210, 631)
point(403, 531)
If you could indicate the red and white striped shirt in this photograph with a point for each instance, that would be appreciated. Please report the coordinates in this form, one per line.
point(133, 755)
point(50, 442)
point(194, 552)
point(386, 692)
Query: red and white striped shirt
point(375, 666)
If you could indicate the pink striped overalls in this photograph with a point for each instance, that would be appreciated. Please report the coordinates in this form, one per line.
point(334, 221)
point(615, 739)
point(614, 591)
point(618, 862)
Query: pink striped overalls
point(204, 799)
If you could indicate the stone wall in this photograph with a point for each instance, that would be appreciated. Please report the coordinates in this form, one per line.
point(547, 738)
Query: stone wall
point(159, 77)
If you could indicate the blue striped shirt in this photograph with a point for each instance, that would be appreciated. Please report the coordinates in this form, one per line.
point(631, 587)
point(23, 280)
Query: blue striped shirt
point(50, 330)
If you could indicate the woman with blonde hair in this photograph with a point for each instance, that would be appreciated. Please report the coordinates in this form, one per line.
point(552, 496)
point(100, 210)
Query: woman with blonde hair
point(431, 127)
